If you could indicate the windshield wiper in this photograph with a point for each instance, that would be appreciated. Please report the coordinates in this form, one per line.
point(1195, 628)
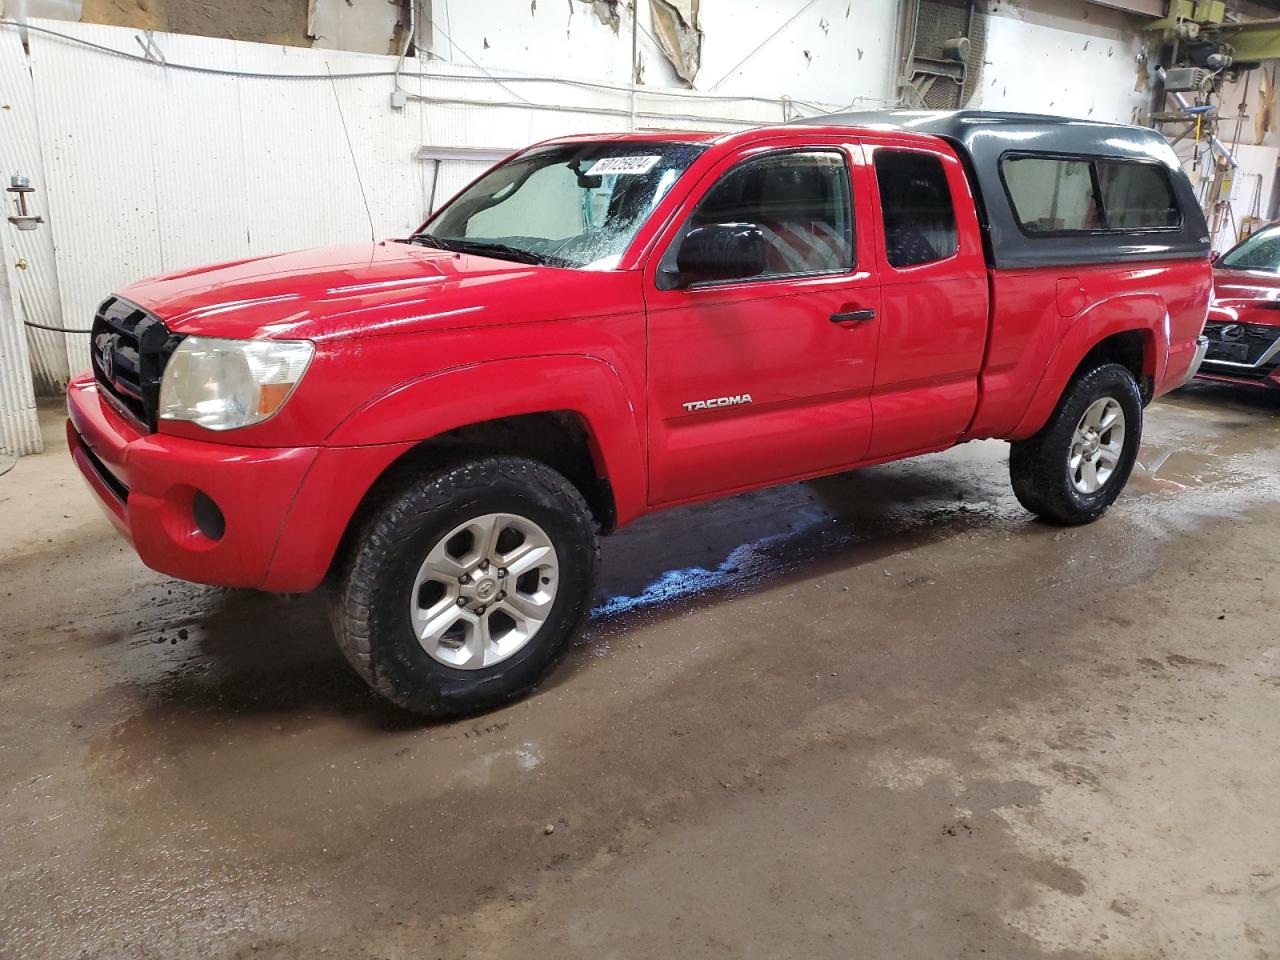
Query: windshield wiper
point(427, 240)
point(482, 247)
point(486, 248)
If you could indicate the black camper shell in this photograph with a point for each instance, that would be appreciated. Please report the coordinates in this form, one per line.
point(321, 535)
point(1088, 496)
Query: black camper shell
point(986, 140)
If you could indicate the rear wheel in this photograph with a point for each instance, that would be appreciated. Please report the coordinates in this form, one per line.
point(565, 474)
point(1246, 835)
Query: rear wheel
point(1075, 467)
point(467, 585)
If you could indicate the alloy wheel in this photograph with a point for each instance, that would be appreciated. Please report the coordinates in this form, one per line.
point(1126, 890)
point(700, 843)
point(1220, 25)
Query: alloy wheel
point(1097, 445)
point(484, 590)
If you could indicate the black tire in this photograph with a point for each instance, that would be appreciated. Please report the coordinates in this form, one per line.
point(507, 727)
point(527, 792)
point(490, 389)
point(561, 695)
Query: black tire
point(370, 601)
point(1038, 466)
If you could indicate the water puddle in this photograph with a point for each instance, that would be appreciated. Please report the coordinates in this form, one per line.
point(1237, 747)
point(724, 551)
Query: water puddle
point(744, 563)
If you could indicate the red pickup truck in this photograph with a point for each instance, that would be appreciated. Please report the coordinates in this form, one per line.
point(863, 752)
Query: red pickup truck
point(439, 427)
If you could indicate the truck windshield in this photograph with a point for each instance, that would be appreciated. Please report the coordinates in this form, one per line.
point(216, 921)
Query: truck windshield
point(1260, 252)
point(567, 205)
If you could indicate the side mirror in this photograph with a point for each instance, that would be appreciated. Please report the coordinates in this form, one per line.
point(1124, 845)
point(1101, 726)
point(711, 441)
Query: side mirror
point(1215, 256)
point(718, 251)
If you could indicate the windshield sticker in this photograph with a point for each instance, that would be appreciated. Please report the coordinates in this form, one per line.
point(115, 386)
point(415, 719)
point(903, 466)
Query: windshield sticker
point(621, 165)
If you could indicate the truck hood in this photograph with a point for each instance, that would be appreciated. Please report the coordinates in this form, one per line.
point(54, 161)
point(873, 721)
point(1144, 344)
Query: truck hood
point(368, 288)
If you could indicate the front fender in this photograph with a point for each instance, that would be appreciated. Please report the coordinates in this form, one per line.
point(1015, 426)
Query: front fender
point(448, 399)
point(1144, 313)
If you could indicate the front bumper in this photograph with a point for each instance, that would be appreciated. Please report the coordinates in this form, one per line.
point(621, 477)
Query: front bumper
point(1246, 354)
point(149, 485)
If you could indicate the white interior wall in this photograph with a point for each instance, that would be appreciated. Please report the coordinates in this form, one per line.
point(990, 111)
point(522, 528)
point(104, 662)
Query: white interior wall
point(1064, 57)
point(1251, 187)
point(825, 51)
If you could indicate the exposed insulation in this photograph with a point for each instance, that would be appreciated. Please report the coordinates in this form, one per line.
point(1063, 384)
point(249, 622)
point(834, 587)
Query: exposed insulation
point(675, 25)
point(1264, 113)
point(606, 12)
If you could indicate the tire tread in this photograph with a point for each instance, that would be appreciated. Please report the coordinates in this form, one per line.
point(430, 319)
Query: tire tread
point(1036, 466)
point(411, 505)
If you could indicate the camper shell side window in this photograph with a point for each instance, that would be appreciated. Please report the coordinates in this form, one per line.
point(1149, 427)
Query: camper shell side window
point(1053, 195)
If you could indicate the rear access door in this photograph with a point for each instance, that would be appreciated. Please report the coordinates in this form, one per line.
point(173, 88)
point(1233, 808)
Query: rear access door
point(934, 298)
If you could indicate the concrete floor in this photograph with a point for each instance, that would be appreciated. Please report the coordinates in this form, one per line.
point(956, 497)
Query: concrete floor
point(884, 715)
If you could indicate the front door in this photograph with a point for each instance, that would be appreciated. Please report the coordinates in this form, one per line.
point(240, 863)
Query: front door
point(767, 377)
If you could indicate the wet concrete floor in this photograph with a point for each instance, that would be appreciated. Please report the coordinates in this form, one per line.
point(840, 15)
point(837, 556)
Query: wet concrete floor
point(882, 715)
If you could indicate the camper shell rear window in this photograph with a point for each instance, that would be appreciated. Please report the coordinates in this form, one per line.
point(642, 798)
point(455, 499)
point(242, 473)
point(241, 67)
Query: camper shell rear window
point(1052, 195)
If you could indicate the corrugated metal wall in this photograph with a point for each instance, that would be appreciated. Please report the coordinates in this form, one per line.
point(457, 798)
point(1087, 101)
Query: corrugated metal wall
point(19, 427)
point(36, 280)
point(152, 169)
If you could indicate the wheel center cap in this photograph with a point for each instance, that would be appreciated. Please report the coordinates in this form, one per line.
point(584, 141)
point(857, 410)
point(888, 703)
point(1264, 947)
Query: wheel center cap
point(486, 589)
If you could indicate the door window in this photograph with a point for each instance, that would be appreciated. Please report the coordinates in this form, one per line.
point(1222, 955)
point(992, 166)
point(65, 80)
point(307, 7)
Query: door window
point(800, 201)
point(915, 201)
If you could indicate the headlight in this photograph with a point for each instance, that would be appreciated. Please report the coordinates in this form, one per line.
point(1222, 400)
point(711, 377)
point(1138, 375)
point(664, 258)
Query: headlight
point(225, 384)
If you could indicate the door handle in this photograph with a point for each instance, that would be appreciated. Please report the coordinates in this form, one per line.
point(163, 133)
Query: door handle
point(853, 316)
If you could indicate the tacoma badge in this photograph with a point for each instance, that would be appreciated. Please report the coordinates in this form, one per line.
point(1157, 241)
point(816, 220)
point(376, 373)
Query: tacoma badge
point(693, 405)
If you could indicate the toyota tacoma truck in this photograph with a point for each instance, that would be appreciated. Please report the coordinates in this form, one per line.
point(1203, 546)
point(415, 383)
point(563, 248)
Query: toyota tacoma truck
point(436, 429)
point(1244, 318)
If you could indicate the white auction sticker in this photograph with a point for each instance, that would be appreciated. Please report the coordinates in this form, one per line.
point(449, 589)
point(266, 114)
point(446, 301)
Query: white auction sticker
point(621, 165)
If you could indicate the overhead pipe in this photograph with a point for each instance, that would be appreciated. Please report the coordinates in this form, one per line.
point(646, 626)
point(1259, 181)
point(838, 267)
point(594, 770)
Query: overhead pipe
point(1185, 106)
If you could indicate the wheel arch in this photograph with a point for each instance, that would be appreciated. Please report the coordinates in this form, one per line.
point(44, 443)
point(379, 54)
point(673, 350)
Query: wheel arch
point(1125, 330)
point(572, 413)
point(560, 439)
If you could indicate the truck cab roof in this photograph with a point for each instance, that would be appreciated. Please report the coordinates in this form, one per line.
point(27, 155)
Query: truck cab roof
point(985, 141)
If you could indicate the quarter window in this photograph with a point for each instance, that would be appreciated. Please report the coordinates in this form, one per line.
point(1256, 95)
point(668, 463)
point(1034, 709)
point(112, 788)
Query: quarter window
point(1069, 195)
point(801, 203)
point(915, 201)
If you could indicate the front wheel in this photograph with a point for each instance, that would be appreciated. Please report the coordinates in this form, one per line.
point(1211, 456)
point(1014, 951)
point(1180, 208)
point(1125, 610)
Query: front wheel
point(466, 586)
point(1075, 467)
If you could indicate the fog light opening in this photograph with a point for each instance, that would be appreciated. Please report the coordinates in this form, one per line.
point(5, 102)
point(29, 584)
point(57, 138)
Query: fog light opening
point(209, 519)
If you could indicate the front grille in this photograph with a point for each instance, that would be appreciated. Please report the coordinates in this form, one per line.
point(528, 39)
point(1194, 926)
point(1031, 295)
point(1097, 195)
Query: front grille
point(1245, 349)
point(130, 348)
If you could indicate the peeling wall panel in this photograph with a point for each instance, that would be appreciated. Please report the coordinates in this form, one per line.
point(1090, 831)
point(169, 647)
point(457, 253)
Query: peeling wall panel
point(675, 27)
point(367, 26)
